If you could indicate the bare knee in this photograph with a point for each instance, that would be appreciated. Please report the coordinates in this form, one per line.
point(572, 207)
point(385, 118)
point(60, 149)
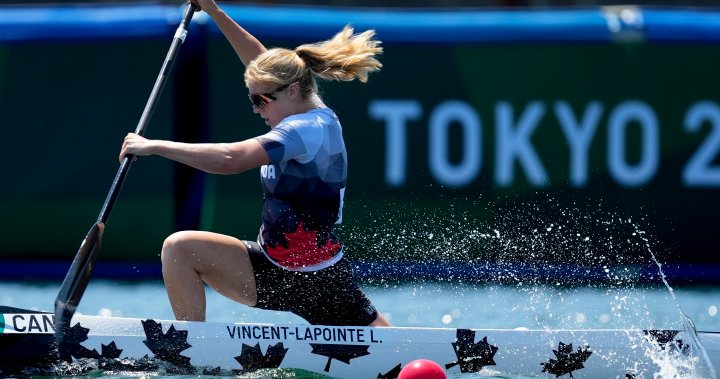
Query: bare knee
point(174, 247)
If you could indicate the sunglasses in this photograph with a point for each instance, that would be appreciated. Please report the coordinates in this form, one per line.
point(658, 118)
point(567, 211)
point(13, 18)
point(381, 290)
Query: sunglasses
point(259, 100)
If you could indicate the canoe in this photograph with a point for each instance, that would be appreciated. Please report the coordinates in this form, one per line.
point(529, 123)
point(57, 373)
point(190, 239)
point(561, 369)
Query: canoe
point(180, 347)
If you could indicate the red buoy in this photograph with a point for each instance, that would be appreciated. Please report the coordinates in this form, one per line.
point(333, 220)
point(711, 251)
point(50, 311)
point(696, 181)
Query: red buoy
point(422, 369)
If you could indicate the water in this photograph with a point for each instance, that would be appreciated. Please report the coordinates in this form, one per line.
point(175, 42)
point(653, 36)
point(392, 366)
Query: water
point(427, 304)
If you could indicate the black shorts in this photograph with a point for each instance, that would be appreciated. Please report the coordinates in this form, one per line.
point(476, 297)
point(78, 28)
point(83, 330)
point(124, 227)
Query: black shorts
point(324, 297)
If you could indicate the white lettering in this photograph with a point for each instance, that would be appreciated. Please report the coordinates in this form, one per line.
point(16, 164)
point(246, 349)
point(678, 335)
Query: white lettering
point(579, 136)
point(396, 113)
point(267, 171)
point(632, 148)
point(442, 169)
point(625, 173)
point(513, 143)
point(699, 171)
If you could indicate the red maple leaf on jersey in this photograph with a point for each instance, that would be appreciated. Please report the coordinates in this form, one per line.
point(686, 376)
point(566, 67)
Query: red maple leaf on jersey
point(303, 249)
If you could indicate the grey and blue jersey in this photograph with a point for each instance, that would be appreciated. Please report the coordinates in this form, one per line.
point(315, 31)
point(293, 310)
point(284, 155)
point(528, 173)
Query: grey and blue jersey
point(303, 189)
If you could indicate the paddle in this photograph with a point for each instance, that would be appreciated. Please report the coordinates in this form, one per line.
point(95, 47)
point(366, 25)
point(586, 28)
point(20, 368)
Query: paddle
point(78, 275)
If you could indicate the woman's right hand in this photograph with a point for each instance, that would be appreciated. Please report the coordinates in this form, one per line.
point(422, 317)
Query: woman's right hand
point(134, 144)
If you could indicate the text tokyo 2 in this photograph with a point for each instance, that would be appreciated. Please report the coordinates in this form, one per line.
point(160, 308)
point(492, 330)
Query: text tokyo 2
point(513, 146)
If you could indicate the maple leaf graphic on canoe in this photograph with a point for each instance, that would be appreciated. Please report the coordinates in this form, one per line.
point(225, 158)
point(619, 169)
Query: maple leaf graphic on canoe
point(472, 356)
point(110, 351)
point(166, 346)
point(567, 361)
point(304, 248)
point(71, 346)
point(666, 340)
point(392, 374)
point(343, 353)
point(251, 357)
point(661, 337)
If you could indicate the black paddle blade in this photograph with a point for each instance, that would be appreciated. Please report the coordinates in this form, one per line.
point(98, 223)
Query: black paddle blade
point(76, 280)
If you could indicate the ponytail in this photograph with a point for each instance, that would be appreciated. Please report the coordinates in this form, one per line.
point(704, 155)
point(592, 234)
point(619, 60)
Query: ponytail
point(344, 57)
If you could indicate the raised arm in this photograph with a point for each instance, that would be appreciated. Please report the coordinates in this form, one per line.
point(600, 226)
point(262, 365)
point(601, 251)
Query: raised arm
point(245, 44)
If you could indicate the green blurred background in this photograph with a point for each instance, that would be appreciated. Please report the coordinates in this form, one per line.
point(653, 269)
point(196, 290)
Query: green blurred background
point(460, 150)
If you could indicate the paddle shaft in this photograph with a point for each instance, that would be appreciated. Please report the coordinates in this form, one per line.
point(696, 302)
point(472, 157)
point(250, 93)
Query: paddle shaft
point(78, 275)
point(148, 112)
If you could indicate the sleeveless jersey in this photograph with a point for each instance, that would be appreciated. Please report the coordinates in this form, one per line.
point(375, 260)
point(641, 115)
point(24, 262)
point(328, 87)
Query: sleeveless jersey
point(303, 189)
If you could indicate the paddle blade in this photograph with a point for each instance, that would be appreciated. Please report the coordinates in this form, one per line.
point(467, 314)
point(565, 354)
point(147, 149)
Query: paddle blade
point(76, 280)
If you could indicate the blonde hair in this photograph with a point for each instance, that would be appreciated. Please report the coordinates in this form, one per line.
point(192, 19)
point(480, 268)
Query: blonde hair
point(345, 57)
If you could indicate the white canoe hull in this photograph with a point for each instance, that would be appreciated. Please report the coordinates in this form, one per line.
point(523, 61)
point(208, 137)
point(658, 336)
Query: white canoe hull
point(356, 352)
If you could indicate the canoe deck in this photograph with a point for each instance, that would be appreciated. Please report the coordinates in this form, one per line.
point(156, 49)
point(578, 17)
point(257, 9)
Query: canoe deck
point(127, 344)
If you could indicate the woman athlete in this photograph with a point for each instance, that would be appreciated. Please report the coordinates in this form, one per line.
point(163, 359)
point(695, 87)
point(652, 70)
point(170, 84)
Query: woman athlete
point(297, 262)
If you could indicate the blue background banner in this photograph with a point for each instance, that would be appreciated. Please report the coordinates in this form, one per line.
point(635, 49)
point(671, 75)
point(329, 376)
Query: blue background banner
point(80, 22)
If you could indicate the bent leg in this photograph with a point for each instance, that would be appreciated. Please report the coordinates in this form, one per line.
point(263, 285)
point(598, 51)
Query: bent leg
point(191, 258)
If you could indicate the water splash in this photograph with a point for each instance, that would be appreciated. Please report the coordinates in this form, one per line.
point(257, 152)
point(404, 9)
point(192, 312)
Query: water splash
point(528, 244)
point(704, 368)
